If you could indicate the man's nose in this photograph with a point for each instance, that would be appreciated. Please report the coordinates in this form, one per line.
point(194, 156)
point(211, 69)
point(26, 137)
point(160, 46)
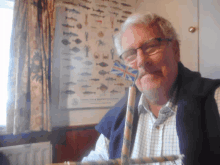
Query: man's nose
point(141, 58)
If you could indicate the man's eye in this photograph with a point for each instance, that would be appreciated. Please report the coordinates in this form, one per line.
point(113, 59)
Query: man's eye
point(130, 55)
point(130, 58)
point(132, 52)
point(152, 49)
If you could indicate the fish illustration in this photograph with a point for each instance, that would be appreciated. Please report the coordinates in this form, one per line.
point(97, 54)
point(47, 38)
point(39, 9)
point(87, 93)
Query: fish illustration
point(88, 63)
point(105, 57)
point(115, 2)
point(85, 86)
point(100, 34)
point(100, 21)
point(88, 92)
point(96, 55)
point(112, 23)
point(86, 19)
point(70, 83)
point(81, 80)
point(68, 53)
point(79, 26)
point(121, 21)
point(114, 13)
point(65, 42)
point(112, 51)
point(66, 75)
point(103, 88)
point(85, 74)
point(78, 58)
point(100, 43)
point(70, 67)
point(87, 48)
point(124, 16)
point(119, 84)
point(101, 5)
point(78, 41)
point(102, 72)
point(86, 1)
point(110, 79)
point(114, 91)
point(68, 26)
point(71, 18)
point(94, 79)
point(96, 15)
point(86, 34)
point(116, 8)
point(127, 12)
point(83, 6)
point(102, 64)
point(72, 10)
point(75, 49)
point(127, 5)
point(70, 34)
point(69, 92)
point(99, 11)
point(116, 29)
point(66, 59)
point(71, 3)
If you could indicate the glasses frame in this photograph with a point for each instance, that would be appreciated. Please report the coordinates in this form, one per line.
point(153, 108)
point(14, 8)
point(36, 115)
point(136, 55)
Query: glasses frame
point(141, 47)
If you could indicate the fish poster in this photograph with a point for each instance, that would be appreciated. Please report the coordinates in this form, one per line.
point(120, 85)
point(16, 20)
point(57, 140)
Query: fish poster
point(84, 33)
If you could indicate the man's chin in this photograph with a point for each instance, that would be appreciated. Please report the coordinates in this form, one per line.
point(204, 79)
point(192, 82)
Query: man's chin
point(151, 88)
point(152, 95)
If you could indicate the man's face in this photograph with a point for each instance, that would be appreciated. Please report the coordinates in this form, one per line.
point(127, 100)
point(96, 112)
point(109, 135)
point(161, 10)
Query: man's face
point(158, 72)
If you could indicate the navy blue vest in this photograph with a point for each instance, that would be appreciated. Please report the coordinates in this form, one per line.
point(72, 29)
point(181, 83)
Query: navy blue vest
point(197, 120)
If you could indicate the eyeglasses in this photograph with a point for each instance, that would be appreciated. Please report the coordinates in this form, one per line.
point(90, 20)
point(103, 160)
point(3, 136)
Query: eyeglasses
point(149, 48)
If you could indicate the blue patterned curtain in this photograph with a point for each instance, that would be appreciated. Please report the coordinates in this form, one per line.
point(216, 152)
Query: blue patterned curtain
point(29, 78)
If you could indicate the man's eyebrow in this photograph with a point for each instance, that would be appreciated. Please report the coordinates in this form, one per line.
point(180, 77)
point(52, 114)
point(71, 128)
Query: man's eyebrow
point(152, 39)
point(148, 41)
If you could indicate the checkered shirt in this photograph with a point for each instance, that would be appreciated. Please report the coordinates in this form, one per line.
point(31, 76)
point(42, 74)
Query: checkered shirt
point(155, 137)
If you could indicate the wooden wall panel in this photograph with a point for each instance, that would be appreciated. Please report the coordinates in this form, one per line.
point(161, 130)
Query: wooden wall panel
point(78, 145)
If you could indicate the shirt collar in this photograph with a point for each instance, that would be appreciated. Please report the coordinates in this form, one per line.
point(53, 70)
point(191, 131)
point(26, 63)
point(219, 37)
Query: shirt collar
point(143, 106)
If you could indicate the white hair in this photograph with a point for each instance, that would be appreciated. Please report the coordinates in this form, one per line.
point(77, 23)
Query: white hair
point(146, 19)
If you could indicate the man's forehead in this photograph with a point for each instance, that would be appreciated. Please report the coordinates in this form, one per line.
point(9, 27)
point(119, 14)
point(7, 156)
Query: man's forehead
point(140, 33)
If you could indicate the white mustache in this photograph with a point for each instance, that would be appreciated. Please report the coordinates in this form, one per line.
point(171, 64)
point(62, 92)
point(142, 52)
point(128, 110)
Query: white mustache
point(145, 66)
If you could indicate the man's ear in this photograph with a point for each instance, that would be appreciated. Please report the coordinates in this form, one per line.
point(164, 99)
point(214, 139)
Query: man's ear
point(176, 50)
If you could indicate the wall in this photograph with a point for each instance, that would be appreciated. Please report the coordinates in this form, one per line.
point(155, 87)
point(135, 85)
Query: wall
point(65, 113)
point(209, 38)
point(65, 117)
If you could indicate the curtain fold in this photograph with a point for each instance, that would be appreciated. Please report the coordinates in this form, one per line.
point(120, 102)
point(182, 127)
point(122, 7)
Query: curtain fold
point(29, 78)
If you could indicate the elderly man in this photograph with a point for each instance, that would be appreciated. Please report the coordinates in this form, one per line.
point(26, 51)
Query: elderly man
point(176, 111)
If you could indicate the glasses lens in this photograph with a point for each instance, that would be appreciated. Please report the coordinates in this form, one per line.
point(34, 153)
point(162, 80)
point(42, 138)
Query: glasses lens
point(151, 47)
point(129, 55)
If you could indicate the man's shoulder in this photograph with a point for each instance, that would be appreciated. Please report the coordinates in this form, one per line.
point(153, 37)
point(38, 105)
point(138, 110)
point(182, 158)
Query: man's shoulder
point(192, 82)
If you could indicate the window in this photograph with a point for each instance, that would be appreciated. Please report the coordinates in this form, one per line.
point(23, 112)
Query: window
point(6, 16)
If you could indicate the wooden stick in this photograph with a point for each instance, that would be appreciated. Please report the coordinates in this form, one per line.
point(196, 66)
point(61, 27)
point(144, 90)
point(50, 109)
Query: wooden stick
point(132, 161)
point(125, 153)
